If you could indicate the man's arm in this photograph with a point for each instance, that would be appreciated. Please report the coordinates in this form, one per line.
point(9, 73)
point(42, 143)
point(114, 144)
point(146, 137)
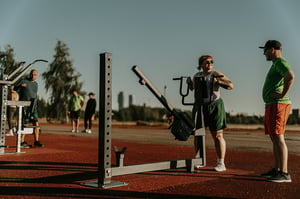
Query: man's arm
point(223, 81)
point(19, 85)
point(82, 102)
point(190, 83)
point(288, 79)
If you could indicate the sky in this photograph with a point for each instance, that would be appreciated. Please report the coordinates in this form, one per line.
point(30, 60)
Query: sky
point(164, 38)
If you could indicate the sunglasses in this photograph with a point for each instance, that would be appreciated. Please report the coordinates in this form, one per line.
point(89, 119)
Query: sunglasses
point(208, 62)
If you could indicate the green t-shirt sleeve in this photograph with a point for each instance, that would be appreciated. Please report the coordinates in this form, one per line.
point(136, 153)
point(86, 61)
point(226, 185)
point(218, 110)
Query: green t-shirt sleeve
point(282, 67)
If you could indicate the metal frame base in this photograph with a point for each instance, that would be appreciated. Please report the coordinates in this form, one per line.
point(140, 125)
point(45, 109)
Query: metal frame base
point(106, 186)
point(9, 153)
point(189, 164)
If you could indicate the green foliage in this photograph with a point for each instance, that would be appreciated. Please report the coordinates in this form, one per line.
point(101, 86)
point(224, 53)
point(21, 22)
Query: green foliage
point(244, 119)
point(143, 113)
point(42, 106)
point(135, 113)
point(7, 60)
point(60, 80)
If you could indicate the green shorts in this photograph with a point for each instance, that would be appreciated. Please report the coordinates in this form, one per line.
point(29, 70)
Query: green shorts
point(214, 115)
point(30, 116)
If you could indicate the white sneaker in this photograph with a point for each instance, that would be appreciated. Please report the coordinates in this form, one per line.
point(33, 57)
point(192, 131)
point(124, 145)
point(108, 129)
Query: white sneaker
point(198, 166)
point(77, 130)
point(10, 133)
point(88, 131)
point(220, 167)
point(73, 131)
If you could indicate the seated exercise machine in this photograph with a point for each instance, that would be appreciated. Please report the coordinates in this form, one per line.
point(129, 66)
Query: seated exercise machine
point(5, 82)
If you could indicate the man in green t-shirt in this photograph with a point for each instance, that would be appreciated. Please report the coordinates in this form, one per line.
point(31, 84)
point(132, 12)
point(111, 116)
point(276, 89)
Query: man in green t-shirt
point(75, 105)
point(278, 82)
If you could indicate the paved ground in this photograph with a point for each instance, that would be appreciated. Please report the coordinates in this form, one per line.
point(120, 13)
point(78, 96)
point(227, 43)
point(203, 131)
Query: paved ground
point(238, 137)
point(59, 169)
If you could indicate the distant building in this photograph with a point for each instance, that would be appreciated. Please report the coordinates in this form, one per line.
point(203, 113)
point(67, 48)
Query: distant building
point(131, 100)
point(296, 112)
point(121, 100)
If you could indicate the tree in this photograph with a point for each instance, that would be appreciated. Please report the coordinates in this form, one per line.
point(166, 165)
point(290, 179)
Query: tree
point(60, 80)
point(7, 60)
point(42, 106)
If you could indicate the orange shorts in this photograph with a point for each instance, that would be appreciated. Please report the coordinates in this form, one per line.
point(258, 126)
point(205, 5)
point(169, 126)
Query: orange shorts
point(276, 116)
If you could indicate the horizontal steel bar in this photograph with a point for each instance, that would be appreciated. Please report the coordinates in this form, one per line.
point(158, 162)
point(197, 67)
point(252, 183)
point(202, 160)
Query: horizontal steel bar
point(18, 103)
point(156, 166)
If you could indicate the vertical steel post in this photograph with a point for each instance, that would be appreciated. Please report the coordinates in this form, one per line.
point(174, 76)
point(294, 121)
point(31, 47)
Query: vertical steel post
point(3, 101)
point(105, 114)
point(19, 129)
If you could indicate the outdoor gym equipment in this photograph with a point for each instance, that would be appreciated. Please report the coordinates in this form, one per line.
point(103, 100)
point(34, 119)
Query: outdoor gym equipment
point(105, 170)
point(184, 94)
point(200, 92)
point(183, 126)
point(5, 82)
point(199, 133)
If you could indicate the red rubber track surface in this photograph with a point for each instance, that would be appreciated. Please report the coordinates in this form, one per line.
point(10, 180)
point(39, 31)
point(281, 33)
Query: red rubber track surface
point(58, 169)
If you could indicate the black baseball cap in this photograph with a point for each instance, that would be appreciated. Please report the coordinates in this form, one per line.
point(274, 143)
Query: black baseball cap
point(91, 93)
point(272, 44)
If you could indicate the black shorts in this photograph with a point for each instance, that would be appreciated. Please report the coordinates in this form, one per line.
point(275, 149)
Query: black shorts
point(75, 114)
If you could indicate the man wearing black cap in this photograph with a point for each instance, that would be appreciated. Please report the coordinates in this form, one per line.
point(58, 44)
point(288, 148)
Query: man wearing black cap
point(278, 82)
point(89, 113)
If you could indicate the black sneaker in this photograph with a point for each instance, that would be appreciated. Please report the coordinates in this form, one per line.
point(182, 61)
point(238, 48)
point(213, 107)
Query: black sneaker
point(24, 145)
point(270, 173)
point(38, 144)
point(280, 177)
